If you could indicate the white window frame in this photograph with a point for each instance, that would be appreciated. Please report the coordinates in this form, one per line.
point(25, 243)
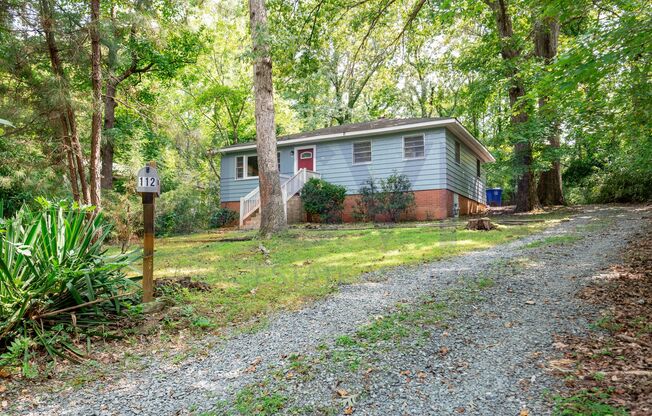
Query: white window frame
point(244, 167)
point(371, 152)
point(423, 137)
point(457, 145)
point(296, 157)
point(478, 168)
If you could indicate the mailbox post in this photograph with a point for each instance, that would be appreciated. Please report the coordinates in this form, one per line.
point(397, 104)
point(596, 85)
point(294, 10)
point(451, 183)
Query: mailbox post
point(149, 186)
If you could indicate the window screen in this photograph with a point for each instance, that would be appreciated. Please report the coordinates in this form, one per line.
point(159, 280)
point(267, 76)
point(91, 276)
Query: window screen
point(362, 152)
point(413, 147)
point(239, 167)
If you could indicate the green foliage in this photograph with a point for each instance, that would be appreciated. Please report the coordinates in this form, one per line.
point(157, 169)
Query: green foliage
point(324, 199)
point(390, 199)
point(222, 217)
point(369, 202)
point(396, 196)
point(258, 401)
point(50, 260)
point(586, 402)
point(183, 210)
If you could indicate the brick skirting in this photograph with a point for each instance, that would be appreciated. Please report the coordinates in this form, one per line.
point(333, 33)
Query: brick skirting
point(434, 204)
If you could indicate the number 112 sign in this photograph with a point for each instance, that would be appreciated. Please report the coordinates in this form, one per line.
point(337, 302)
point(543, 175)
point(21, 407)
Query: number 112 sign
point(148, 180)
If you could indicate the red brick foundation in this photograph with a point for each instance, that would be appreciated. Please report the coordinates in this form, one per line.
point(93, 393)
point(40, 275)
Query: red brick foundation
point(434, 204)
point(232, 205)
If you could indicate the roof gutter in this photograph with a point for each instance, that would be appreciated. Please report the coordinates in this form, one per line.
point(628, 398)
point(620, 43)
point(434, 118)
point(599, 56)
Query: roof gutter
point(454, 125)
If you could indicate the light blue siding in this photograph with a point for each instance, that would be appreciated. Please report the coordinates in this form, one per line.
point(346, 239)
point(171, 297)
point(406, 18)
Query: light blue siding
point(462, 178)
point(334, 160)
point(232, 189)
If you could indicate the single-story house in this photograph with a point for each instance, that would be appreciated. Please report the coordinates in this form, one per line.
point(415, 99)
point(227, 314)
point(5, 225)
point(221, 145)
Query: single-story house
point(440, 156)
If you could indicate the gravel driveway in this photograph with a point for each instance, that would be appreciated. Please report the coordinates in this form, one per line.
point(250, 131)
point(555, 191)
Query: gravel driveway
point(487, 359)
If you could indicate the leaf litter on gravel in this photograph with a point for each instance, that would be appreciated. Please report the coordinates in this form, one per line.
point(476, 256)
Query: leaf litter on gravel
point(613, 364)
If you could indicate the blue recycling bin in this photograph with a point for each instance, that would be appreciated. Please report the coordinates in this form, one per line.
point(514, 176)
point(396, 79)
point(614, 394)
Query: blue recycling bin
point(494, 197)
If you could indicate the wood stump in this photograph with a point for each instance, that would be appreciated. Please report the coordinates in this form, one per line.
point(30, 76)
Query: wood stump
point(480, 224)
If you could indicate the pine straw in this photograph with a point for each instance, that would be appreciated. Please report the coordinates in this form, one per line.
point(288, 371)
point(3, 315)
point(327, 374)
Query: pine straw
point(617, 356)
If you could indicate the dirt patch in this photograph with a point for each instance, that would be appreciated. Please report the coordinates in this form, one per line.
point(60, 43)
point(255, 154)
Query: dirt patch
point(163, 285)
point(616, 358)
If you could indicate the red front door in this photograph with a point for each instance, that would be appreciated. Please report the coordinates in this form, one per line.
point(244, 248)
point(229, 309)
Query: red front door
point(306, 159)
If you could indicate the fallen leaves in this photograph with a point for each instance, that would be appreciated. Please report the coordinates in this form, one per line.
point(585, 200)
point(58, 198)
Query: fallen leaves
point(617, 356)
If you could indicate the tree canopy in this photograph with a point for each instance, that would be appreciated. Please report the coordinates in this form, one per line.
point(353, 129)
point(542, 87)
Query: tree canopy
point(560, 91)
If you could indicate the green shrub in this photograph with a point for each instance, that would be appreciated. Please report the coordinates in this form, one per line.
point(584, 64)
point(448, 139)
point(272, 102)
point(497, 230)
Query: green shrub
point(368, 206)
point(182, 210)
point(391, 198)
point(324, 199)
point(51, 260)
point(124, 212)
point(222, 217)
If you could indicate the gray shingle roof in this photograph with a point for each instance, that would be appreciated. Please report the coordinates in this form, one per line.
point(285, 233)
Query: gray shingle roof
point(350, 128)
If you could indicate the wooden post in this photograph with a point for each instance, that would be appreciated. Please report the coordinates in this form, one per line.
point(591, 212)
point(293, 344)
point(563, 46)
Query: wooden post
point(148, 244)
point(148, 247)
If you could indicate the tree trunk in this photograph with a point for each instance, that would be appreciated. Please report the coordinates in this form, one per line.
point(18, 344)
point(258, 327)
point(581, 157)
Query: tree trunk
point(72, 172)
point(96, 120)
point(67, 113)
point(526, 192)
point(546, 35)
point(272, 211)
point(107, 143)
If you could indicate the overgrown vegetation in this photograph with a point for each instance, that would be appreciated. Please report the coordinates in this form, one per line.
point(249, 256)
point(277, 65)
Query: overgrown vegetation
point(58, 285)
point(323, 199)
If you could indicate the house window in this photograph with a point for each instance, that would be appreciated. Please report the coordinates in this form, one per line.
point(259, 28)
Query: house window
point(477, 167)
point(246, 167)
point(362, 152)
point(239, 167)
point(458, 153)
point(278, 161)
point(413, 147)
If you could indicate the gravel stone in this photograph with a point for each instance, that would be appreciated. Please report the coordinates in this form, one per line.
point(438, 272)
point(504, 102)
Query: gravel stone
point(491, 368)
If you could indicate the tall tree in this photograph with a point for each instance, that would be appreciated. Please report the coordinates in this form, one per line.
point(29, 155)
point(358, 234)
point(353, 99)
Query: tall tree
point(96, 118)
point(272, 211)
point(549, 188)
point(511, 50)
point(67, 114)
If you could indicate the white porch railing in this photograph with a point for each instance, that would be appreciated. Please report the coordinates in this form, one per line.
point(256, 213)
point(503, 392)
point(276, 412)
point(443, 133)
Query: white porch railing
point(251, 202)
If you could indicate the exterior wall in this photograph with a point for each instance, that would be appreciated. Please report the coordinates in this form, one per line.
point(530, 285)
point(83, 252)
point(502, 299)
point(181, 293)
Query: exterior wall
point(470, 207)
point(433, 204)
point(232, 189)
point(335, 161)
point(296, 213)
point(461, 178)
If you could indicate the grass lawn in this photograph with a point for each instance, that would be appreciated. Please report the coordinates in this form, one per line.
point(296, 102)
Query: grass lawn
point(303, 265)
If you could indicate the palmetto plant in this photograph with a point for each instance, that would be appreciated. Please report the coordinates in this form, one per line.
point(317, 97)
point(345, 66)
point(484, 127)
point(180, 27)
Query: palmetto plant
point(56, 274)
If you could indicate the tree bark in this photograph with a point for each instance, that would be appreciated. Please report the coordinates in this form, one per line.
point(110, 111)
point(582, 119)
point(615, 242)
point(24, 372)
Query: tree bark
point(526, 192)
point(107, 143)
point(549, 189)
point(67, 112)
point(96, 120)
point(67, 147)
point(272, 211)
